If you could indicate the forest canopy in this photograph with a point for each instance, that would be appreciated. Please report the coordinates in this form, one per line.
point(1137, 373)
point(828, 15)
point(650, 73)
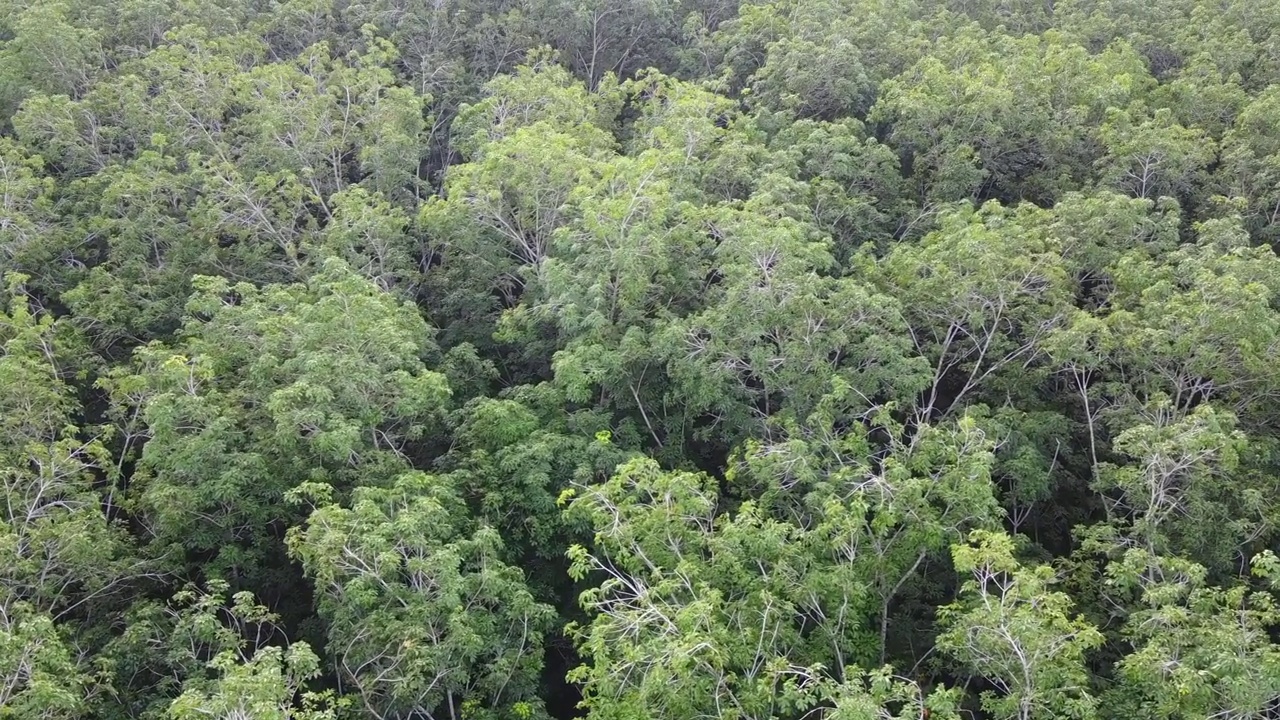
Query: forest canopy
point(639, 359)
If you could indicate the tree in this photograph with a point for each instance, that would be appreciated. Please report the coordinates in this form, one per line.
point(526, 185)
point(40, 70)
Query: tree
point(29, 231)
point(881, 513)
point(514, 457)
point(251, 679)
point(1011, 629)
point(264, 687)
point(1198, 649)
point(618, 37)
point(852, 183)
point(45, 53)
point(139, 291)
point(1251, 165)
point(779, 332)
point(816, 71)
point(424, 618)
point(1015, 125)
point(692, 616)
point(52, 511)
point(1155, 157)
point(244, 408)
point(530, 143)
point(63, 559)
point(981, 295)
point(1184, 468)
point(372, 236)
point(39, 677)
point(704, 604)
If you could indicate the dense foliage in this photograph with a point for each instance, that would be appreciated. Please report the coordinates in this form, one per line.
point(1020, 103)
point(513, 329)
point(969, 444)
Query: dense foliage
point(631, 359)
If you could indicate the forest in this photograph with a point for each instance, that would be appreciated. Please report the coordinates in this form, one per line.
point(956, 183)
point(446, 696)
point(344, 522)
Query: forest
point(639, 359)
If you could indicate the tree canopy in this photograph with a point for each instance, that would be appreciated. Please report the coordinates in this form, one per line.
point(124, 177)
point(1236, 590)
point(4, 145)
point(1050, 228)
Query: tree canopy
point(632, 359)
